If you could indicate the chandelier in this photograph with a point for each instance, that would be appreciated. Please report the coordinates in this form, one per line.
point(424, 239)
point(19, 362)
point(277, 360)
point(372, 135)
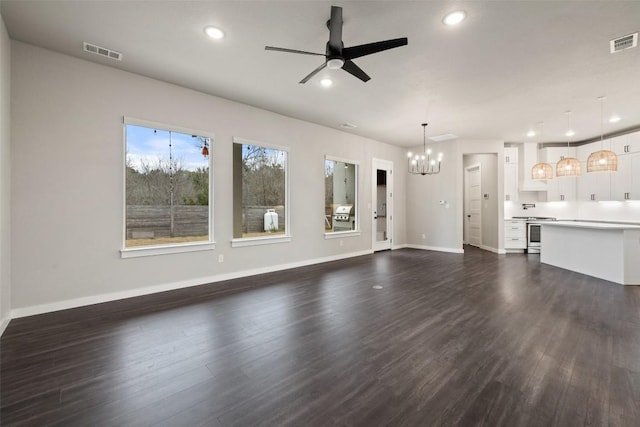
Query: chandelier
point(423, 164)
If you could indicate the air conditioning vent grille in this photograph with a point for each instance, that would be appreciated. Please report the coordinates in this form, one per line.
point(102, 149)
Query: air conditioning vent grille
point(102, 51)
point(622, 43)
point(443, 137)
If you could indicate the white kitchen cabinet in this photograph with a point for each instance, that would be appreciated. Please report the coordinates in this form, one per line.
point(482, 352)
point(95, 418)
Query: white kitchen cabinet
point(511, 155)
point(515, 234)
point(626, 182)
point(510, 174)
point(559, 188)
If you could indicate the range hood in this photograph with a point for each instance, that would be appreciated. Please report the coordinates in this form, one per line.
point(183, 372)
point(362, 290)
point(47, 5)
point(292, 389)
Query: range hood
point(527, 157)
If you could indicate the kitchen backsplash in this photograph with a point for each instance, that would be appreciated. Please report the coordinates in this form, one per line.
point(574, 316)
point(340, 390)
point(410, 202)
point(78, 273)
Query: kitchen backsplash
point(603, 211)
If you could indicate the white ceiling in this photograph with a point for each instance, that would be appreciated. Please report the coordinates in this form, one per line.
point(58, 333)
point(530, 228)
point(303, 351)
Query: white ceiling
point(510, 65)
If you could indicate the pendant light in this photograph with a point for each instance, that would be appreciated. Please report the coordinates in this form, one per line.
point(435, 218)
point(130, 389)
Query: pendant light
point(602, 160)
point(568, 166)
point(541, 171)
point(423, 164)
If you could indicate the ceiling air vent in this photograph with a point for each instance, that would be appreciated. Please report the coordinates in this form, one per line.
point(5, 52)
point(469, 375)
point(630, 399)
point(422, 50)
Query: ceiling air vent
point(102, 51)
point(622, 43)
point(443, 137)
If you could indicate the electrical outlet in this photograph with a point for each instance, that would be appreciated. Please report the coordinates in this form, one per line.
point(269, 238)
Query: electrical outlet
point(424, 236)
point(341, 243)
point(221, 258)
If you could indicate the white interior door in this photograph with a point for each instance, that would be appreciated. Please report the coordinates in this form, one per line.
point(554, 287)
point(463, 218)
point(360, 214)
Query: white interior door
point(382, 205)
point(473, 205)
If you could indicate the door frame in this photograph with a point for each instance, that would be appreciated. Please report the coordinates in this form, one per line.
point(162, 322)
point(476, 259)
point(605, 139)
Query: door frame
point(386, 165)
point(467, 204)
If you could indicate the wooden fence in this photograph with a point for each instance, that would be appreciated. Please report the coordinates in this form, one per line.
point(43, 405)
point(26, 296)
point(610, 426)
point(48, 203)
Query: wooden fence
point(155, 221)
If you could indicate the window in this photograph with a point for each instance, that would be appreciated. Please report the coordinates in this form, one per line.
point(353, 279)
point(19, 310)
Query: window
point(260, 193)
point(167, 181)
point(340, 195)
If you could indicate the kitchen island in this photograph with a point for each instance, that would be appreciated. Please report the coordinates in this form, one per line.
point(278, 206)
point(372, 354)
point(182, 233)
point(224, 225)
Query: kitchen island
point(609, 251)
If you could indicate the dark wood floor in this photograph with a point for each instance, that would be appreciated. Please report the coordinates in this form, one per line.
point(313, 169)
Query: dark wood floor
point(451, 340)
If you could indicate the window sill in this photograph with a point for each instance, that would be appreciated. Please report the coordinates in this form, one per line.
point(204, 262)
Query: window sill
point(136, 252)
point(341, 234)
point(255, 241)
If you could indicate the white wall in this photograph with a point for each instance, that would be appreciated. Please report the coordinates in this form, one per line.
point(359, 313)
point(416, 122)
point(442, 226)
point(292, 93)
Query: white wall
point(67, 181)
point(5, 177)
point(489, 208)
point(442, 224)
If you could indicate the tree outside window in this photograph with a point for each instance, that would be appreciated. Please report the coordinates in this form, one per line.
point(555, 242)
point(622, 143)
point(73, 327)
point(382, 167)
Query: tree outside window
point(260, 190)
point(167, 187)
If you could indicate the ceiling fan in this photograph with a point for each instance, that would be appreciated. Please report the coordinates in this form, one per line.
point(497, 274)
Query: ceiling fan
point(337, 56)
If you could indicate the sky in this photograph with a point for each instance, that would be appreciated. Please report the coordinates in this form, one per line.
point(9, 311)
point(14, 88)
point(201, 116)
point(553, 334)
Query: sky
point(143, 144)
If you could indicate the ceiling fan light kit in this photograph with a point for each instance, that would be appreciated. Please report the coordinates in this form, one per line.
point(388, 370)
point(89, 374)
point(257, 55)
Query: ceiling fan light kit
point(339, 57)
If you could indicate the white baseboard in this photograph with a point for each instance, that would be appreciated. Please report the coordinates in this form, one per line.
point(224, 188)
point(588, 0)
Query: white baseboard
point(436, 248)
point(401, 246)
point(3, 324)
point(494, 250)
point(97, 299)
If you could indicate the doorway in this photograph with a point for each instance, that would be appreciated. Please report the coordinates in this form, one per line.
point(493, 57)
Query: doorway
point(382, 203)
point(473, 205)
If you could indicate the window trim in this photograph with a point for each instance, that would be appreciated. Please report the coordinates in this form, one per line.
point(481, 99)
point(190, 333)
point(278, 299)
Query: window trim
point(163, 249)
point(357, 231)
point(279, 238)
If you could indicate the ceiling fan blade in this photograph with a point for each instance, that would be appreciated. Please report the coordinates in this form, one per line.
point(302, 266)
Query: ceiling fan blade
point(313, 73)
point(351, 68)
point(335, 29)
point(369, 48)
point(282, 49)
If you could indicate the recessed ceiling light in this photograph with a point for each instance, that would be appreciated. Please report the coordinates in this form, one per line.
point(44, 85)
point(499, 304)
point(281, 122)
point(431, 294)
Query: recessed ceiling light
point(570, 132)
point(531, 134)
point(326, 82)
point(614, 119)
point(213, 32)
point(454, 18)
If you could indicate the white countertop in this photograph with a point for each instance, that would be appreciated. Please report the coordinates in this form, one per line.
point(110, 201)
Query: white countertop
point(592, 224)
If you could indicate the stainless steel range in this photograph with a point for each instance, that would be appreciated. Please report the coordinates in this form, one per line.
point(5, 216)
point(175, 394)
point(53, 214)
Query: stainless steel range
point(534, 235)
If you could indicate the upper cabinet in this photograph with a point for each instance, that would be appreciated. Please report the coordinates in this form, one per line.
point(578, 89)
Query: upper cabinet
point(559, 189)
point(593, 186)
point(626, 182)
point(510, 174)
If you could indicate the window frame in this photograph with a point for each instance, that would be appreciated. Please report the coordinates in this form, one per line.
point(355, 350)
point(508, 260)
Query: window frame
point(237, 242)
point(163, 249)
point(357, 231)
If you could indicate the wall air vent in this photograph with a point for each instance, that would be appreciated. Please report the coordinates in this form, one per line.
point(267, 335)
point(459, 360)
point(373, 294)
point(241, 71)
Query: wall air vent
point(348, 125)
point(102, 51)
point(443, 137)
point(622, 43)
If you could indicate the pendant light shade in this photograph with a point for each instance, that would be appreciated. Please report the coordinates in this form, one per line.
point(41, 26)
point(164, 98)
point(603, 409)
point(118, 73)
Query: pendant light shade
point(568, 166)
point(602, 160)
point(542, 171)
